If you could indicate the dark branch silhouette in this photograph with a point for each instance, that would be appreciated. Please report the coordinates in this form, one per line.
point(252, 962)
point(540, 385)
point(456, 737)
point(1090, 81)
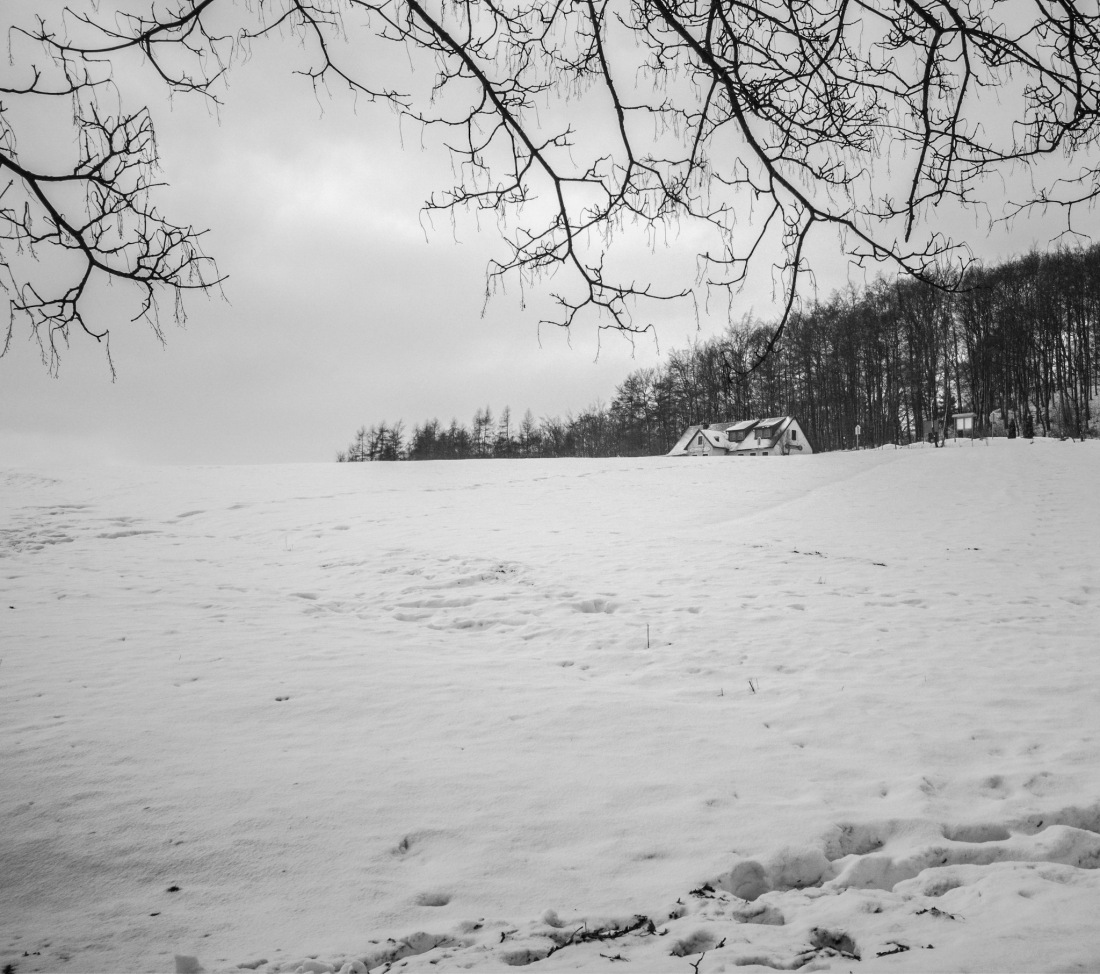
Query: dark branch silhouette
point(739, 130)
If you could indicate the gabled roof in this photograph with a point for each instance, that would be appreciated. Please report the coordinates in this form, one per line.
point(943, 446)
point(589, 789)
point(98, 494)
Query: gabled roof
point(745, 424)
point(685, 439)
point(768, 430)
point(716, 437)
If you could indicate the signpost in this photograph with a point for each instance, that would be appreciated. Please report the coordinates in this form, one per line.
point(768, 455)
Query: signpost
point(858, 430)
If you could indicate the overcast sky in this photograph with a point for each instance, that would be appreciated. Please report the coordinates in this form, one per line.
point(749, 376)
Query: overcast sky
point(339, 309)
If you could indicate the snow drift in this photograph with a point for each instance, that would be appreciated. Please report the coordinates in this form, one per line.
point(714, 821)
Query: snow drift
point(827, 711)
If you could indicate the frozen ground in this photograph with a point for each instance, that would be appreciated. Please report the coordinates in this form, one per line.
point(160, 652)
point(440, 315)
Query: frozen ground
point(488, 713)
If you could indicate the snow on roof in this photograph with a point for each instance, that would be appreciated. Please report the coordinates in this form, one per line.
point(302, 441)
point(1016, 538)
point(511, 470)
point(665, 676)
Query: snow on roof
point(685, 439)
point(724, 435)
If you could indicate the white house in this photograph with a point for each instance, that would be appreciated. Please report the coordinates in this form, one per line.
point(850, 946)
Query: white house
point(738, 432)
point(702, 441)
point(775, 436)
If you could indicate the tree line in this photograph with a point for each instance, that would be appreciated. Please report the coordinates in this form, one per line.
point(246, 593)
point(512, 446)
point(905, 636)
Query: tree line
point(1018, 345)
point(589, 434)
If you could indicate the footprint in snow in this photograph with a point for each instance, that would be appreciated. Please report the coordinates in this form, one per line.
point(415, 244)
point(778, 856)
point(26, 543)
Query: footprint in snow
point(595, 605)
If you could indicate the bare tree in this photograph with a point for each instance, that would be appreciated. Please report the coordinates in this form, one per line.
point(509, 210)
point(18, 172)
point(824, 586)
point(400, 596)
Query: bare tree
point(739, 129)
point(504, 444)
point(528, 433)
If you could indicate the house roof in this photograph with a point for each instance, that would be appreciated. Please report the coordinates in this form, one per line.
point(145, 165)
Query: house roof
point(715, 436)
point(716, 433)
point(685, 439)
point(766, 433)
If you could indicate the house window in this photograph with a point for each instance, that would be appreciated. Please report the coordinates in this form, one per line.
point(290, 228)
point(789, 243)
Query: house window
point(794, 434)
point(700, 440)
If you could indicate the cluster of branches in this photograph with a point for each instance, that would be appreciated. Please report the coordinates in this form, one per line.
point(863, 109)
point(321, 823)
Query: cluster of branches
point(1020, 347)
point(77, 208)
point(744, 129)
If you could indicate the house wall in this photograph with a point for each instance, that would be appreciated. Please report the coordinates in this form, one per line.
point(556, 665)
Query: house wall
point(695, 449)
point(795, 438)
point(787, 443)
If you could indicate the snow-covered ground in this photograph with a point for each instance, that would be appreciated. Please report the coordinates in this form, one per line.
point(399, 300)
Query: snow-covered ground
point(655, 714)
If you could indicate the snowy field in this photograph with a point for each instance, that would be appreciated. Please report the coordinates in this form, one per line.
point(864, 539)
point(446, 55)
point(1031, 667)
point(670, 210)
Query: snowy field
point(637, 715)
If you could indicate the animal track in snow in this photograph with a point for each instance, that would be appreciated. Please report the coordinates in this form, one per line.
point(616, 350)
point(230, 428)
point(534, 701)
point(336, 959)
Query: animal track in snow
point(804, 915)
point(30, 539)
point(411, 946)
point(882, 855)
point(439, 603)
point(695, 943)
point(854, 839)
point(37, 528)
point(456, 593)
point(975, 833)
point(447, 592)
point(595, 605)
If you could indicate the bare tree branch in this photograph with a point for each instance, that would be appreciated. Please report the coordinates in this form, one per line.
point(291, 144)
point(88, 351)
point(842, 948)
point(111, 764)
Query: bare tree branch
point(740, 131)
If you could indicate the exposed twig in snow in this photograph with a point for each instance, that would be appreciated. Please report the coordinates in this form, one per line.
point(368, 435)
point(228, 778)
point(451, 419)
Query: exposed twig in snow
point(583, 935)
point(896, 949)
point(937, 912)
